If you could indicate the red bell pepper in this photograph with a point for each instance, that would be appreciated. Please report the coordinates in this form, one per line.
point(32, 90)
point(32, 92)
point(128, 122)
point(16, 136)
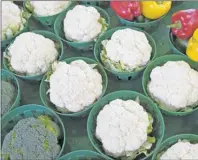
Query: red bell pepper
point(184, 23)
point(126, 9)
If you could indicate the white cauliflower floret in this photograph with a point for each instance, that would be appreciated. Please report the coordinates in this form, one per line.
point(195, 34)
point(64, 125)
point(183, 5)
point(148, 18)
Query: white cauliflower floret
point(128, 47)
point(82, 24)
point(12, 21)
point(32, 54)
point(122, 127)
point(49, 8)
point(181, 150)
point(74, 86)
point(174, 84)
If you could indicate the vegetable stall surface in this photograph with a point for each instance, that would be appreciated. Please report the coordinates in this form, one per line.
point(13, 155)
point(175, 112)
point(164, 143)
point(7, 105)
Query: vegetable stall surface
point(77, 138)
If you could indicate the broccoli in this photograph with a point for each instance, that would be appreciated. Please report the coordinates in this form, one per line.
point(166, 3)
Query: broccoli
point(8, 96)
point(32, 138)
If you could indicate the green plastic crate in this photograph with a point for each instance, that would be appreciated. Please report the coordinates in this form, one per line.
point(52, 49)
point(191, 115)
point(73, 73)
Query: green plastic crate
point(149, 106)
point(122, 75)
point(44, 87)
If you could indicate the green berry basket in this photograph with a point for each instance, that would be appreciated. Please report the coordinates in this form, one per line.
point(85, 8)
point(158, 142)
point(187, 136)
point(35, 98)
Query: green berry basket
point(45, 20)
point(9, 77)
point(31, 110)
point(177, 46)
point(84, 155)
point(192, 138)
point(46, 34)
point(44, 87)
point(159, 62)
point(122, 75)
point(83, 46)
point(149, 106)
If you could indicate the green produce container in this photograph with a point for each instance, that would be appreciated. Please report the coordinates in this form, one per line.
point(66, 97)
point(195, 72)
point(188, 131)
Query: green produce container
point(148, 26)
point(83, 46)
point(159, 62)
point(9, 77)
point(175, 49)
point(104, 4)
point(30, 110)
point(83, 155)
point(122, 75)
point(45, 20)
point(44, 87)
point(171, 141)
point(149, 106)
point(46, 34)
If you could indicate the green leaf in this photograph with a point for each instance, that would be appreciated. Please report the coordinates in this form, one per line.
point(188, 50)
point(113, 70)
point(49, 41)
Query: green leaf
point(151, 139)
point(29, 6)
point(25, 15)
point(104, 24)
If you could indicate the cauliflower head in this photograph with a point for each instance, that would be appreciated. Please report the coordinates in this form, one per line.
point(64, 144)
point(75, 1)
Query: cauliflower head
point(47, 8)
point(32, 54)
point(182, 150)
point(122, 127)
point(74, 86)
point(12, 20)
point(127, 50)
point(174, 85)
point(83, 24)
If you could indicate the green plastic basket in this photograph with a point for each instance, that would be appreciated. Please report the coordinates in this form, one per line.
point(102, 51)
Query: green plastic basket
point(83, 155)
point(9, 77)
point(46, 34)
point(122, 75)
point(44, 87)
point(174, 49)
point(159, 62)
point(45, 20)
point(103, 4)
point(31, 110)
point(147, 26)
point(172, 140)
point(83, 46)
point(149, 106)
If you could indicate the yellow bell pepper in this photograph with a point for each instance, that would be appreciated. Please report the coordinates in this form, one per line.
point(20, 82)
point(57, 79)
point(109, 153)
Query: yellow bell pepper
point(192, 48)
point(155, 9)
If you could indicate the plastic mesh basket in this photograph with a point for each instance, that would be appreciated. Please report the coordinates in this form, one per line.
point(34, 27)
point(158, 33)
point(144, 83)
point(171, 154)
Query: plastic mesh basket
point(149, 106)
point(46, 34)
point(159, 62)
point(171, 141)
point(46, 20)
point(84, 155)
point(84, 46)
point(122, 75)
point(9, 77)
point(44, 87)
point(31, 110)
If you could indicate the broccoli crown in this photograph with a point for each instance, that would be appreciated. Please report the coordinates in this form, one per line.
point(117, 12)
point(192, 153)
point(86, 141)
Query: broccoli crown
point(32, 139)
point(8, 95)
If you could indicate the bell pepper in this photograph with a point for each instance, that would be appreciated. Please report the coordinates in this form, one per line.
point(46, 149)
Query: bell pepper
point(155, 9)
point(126, 9)
point(192, 48)
point(184, 23)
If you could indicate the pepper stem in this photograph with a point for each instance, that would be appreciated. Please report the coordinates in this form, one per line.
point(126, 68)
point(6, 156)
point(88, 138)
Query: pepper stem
point(176, 25)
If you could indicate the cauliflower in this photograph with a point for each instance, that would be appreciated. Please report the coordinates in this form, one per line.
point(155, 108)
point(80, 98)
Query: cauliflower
point(127, 50)
point(32, 54)
point(74, 86)
point(182, 150)
point(32, 138)
point(47, 8)
point(123, 128)
point(174, 85)
point(83, 24)
point(8, 96)
point(12, 20)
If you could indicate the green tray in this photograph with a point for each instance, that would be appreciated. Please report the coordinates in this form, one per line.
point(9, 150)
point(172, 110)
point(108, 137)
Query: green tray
point(77, 138)
point(149, 106)
point(31, 110)
point(44, 87)
point(172, 140)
